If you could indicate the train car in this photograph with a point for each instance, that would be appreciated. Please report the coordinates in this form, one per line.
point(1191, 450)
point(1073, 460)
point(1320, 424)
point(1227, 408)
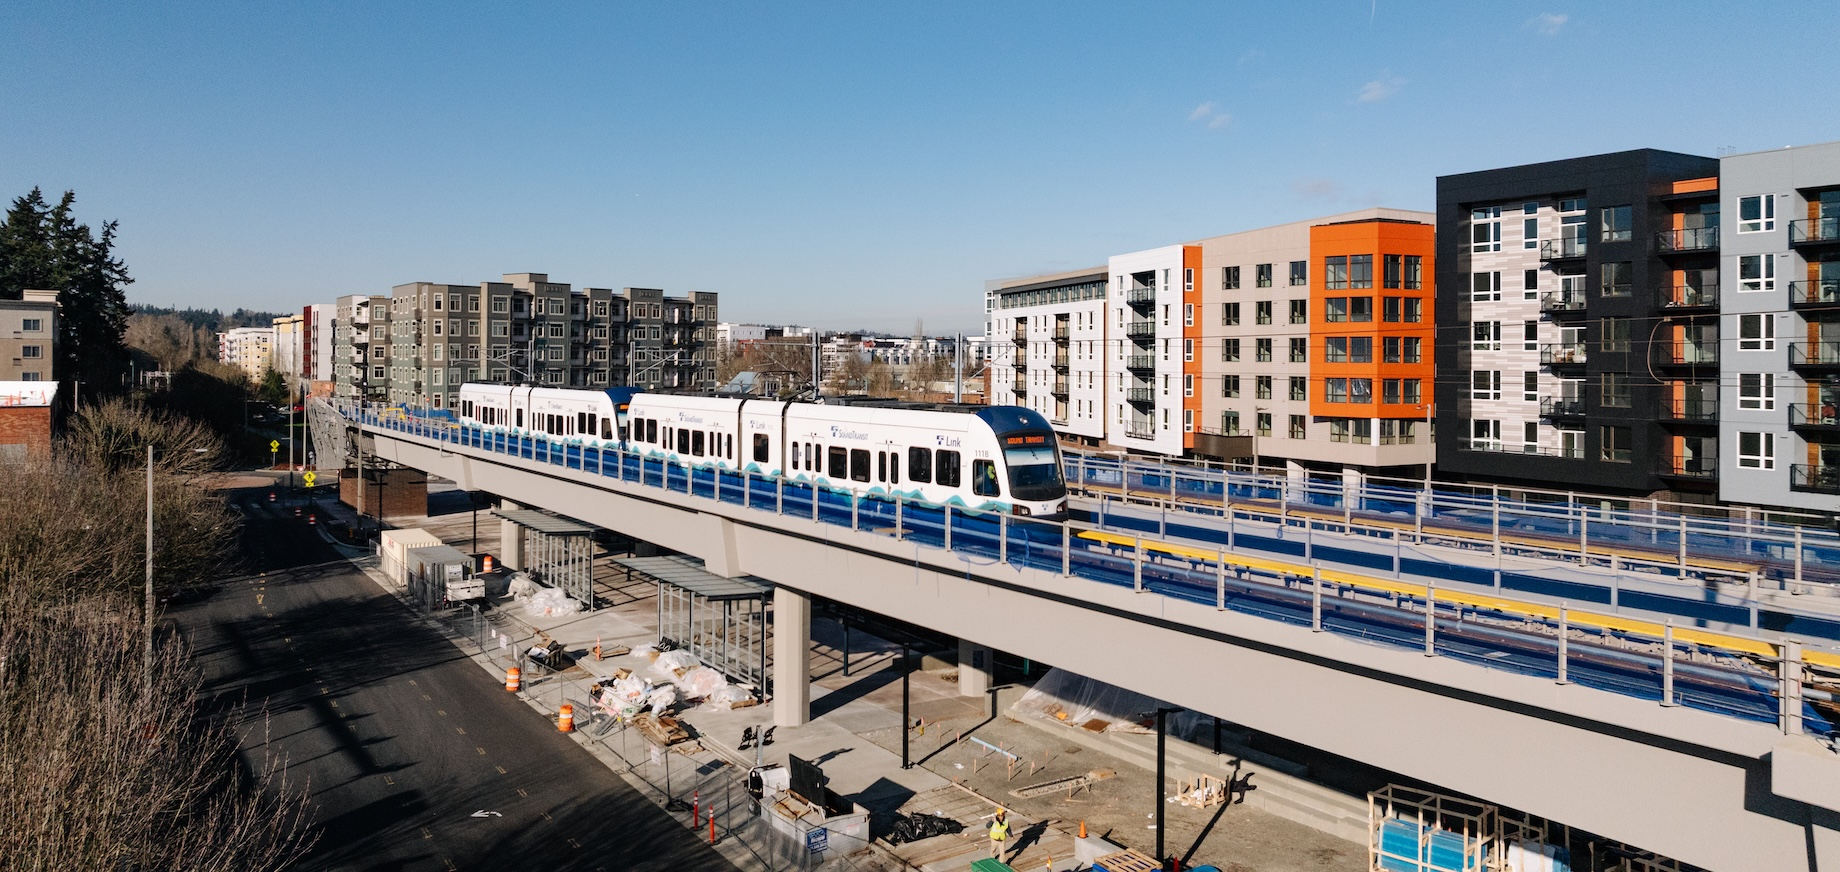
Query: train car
point(995, 458)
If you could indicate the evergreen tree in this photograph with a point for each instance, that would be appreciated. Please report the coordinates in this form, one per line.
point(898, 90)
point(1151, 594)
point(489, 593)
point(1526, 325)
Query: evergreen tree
point(45, 247)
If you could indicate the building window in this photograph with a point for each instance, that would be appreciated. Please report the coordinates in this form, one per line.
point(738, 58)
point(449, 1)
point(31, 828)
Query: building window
point(1530, 336)
point(1229, 350)
point(1229, 386)
point(1361, 349)
point(1485, 336)
point(1614, 223)
point(1300, 350)
point(1613, 334)
point(1298, 426)
point(1300, 386)
point(1390, 347)
point(1188, 386)
point(1229, 278)
point(1390, 273)
point(1415, 272)
point(1361, 309)
point(1263, 275)
point(1389, 391)
point(1485, 384)
point(1757, 213)
point(1361, 271)
point(1530, 233)
point(1335, 349)
point(1335, 273)
point(1613, 390)
point(1756, 332)
point(1188, 350)
point(1411, 390)
point(1530, 386)
point(1412, 344)
point(1615, 279)
point(1300, 273)
point(1485, 229)
point(1263, 310)
point(1757, 390)
point(1262, 387)
point(1390, 309)
point(1188, 314)
point(1757, 450)
point(1264, 350)
point(31, 351)
point(1263, 422)
point(31, 325)
point(1300, 311)
point(1335, 390)
point(1335, 309)
point(1229, 314)
point(1756, 272)
point(1614, 444)
point(1485, 287)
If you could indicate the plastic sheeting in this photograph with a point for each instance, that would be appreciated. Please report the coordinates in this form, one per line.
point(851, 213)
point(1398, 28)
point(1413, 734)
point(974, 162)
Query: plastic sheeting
point(727, 696)
point(550, 602)
point(700, 681)
point(1083, 703)
point(671, 663)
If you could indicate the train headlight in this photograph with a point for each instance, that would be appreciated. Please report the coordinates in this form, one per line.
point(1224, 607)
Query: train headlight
point(1020, 510)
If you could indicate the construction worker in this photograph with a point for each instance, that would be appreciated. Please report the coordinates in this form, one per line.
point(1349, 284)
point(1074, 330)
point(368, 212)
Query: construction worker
point(999, 834)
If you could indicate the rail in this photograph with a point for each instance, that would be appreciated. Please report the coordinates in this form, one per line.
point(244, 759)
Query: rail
point(1729, 674)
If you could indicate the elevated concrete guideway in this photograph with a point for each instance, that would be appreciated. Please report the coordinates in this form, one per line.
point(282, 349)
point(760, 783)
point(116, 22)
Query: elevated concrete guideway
point(1713, 791)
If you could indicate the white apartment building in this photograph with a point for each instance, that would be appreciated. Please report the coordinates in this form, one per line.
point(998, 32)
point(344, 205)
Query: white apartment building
point(1049, 349)
point(250, 349)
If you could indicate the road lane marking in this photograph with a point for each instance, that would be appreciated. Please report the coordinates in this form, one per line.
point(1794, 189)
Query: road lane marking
point(411, 682)
point(388, 780)
point(426, 834)
point(545, 815)
point(572, 842)
point(258, 599)
point(522, 793)
point(460, 730)
point(450, 865)
point(324, 690)
point(427, 697)
point(501, 770)
point(482, 751)
point(441, 712)
point(334, 703)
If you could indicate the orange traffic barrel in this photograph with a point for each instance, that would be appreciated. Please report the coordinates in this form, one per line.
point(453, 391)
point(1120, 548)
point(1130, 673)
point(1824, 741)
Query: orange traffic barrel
point(312, 520)
point(565, 719)
point(511, 679)
point(488, 563)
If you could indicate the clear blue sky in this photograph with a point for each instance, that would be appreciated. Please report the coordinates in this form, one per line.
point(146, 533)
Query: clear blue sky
point(848, 164)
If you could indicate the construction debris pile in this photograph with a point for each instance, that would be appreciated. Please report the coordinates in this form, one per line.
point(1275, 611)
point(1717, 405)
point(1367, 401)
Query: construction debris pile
point(539, 601)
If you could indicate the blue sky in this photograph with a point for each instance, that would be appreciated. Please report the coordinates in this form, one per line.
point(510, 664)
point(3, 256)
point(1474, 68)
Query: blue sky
point(844, 165)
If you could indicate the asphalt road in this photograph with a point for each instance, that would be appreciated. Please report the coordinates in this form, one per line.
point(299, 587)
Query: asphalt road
point(402, 740)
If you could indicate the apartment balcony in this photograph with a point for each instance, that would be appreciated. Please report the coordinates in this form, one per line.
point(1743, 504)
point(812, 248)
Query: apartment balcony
point(1140, 297)
point(1060, 387)
point(1560, 304)
point(1562, 249)
point(1814, 478)
point(1020, 337)
point(1684, 353)
point(1140, 396)
point(1494, 446)
point(1687, 240)
point(1697, 406)
point(1818, 294)
point(1815, 231)
point(1141, 363)
point(1062, 331)
point(1701, 468)
point(1805, 418)
point(1687, 298)
point(1140, 329)
point(1562, 354)
point(1561, 408)
point(1822, 357)
point(1138, 430)
point(1062, 361)
point(1020, 359)
point(1019, 386)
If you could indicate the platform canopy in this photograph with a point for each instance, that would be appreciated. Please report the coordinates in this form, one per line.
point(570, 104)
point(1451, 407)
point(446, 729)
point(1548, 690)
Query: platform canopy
point(723, 621)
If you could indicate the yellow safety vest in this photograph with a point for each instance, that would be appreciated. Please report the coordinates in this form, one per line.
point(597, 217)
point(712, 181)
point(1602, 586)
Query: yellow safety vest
point(999, 830)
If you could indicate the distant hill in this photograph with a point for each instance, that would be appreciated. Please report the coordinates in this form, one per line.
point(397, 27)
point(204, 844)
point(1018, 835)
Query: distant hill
point(214, 320)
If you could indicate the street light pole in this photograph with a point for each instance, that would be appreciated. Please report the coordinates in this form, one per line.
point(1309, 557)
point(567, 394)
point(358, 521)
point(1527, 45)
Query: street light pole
point(147, 652)
point(1161, 714)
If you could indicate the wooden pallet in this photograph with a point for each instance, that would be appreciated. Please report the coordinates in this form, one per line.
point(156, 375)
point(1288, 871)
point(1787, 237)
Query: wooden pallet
point(1127, 860)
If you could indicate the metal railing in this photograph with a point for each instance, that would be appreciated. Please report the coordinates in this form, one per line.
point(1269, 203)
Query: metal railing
point(1562, 301)
point(1687, 239)
point(1140, 361)
point(1806, 231)
point(1562, 353)
point(1700, 402)
point(1684, 353)
point(1139, 296)
point(1061, 330)
point(1060, 387)
point(1019, 386)
point(1689, 467)
point(1815, 478)
point(1561, 407)
point(1823, 416)
point(1814, 354)
point(1562, 249)
point(1810, 294)
point(1061, 360)
point(1687, 296)
point(1137, 329)
point(1140, 395)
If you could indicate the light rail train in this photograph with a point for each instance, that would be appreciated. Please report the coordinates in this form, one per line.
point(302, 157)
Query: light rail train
point(984, 458)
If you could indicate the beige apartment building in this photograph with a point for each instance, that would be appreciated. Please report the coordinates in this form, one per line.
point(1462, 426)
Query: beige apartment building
point(28, 337)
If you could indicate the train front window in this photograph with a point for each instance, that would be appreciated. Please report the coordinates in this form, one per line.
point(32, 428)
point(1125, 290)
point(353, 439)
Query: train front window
point(1034, 470)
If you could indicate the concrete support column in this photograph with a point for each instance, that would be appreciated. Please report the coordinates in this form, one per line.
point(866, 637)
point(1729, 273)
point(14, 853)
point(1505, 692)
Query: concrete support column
point(791, 657)
point(510, 539)
point(974, 668)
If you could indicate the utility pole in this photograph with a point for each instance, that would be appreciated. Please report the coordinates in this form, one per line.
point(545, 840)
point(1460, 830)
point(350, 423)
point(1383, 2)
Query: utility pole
point(1161, 735)
point(958, 368)
point(147, 653)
